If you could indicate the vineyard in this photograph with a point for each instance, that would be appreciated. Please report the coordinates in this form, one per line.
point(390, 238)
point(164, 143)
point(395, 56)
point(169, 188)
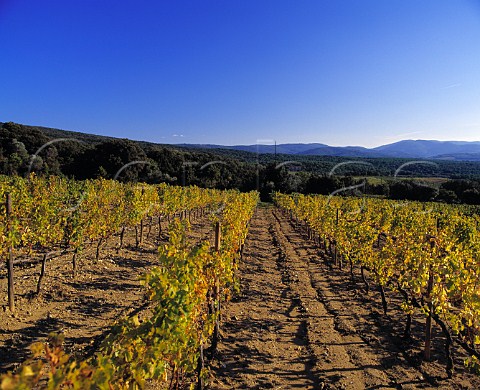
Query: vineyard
point(427, 253)
point(188, 287)
point(301, 322)
point(51, 217)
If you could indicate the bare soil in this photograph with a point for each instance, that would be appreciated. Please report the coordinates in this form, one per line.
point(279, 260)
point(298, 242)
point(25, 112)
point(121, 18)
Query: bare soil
point(301, 323)
point(298, 322)
point(85, 306)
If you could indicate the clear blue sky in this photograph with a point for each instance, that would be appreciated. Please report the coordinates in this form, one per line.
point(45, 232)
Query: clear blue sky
point(341, 72)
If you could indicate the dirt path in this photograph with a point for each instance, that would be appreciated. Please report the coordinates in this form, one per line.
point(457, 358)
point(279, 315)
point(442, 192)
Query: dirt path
point(265, 342)
point(300, 324)
point(297, 323)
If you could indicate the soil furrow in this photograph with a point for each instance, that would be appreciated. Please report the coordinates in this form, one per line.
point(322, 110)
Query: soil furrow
point(299, 323)
point(372, 340)
point(334, 365)
point(265, 342)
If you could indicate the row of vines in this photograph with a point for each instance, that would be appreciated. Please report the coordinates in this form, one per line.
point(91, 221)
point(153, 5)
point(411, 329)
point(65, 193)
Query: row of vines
point(53, 216)
point(427, 253)
point(58, 212)
point(186, 289)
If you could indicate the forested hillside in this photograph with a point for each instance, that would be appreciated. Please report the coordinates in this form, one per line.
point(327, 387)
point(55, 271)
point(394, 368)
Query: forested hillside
point(43, 150)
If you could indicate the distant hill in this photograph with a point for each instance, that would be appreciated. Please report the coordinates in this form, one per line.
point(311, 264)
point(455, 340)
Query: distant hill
point(417, 149)
point(343, 151)
point(429, 149)
point(279, 149)
point(459, 157)
point(454, 176)
point(423, 149)
point(243, 164)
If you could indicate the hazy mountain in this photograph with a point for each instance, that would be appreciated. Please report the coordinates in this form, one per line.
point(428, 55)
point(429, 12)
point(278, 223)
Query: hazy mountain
point(423, 149)
point(343, 151)
point(428, 149)
point(459, 157)
point(260, 148)
point(445, 150)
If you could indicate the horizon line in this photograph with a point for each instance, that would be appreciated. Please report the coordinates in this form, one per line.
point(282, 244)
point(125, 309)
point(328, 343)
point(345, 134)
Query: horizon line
point(243, 144)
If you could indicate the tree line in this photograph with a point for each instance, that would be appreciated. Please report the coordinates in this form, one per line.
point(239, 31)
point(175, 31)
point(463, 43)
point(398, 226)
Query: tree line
point(25, 149)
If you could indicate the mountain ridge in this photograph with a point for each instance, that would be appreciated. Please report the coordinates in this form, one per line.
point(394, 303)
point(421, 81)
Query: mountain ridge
point(422, 149)
point(418, 149)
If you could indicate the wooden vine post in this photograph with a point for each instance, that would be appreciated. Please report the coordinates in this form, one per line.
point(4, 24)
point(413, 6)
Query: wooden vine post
point(428, 323)
point(217, 237)
point(216, 294)
point(141, 222)
point(200, 367)
point(11, 298)
point(336, 255)
point(159, 227)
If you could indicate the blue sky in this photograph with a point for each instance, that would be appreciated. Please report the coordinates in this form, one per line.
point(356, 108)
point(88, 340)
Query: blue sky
point(341, 72)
